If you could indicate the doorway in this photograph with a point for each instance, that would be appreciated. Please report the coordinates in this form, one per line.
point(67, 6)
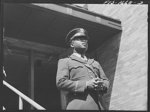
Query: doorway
point(17, 69)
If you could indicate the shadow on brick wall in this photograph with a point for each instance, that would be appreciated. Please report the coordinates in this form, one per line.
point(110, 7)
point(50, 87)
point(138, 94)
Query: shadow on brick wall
point(107, 55)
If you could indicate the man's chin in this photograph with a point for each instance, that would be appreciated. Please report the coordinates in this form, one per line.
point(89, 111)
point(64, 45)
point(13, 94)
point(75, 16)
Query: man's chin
point(81, 50)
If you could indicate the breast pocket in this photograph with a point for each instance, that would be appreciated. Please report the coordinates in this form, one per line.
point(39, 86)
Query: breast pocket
point(76, 72)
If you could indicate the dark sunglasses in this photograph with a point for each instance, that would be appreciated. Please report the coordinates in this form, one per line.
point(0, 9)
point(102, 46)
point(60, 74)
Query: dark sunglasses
point(80, 38)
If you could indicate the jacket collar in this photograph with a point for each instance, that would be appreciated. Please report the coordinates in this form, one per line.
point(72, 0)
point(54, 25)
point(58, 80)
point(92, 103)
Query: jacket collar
point(76, 58)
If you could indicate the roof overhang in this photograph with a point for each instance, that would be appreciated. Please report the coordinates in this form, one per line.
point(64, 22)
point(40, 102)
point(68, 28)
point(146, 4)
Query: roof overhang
point(48, 24)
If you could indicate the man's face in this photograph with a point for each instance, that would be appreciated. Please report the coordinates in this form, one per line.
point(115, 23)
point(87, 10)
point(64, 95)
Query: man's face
point(80, 43)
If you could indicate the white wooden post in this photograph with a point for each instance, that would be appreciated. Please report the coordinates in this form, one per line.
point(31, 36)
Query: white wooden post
point(20, 103)
point(4, 108)
point(31, 75)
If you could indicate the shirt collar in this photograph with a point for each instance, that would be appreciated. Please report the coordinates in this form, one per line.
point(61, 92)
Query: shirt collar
point(78, 55)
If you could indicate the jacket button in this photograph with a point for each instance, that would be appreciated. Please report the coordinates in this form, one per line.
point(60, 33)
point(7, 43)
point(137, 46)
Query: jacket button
point(91, 76)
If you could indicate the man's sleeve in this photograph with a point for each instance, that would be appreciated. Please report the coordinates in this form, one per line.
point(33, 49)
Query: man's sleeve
point(64, 82)
point(103, 76)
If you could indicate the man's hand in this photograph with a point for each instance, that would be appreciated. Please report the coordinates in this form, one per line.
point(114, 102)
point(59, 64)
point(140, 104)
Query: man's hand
point(96, 84)
point(99, 84)
point(93, 84)
point(102, 86)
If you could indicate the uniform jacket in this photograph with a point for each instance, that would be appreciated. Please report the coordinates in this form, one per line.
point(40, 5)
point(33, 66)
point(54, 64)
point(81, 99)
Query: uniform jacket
point(72, 74)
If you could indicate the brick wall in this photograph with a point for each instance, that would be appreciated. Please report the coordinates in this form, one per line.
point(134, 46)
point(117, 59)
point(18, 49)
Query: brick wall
point(124, 57)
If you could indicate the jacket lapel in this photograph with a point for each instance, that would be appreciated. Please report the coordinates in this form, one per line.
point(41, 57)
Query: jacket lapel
point(87, 63)
point(74, 57)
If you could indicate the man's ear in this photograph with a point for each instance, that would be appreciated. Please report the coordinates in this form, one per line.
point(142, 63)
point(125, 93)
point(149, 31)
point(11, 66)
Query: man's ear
point(71, 44)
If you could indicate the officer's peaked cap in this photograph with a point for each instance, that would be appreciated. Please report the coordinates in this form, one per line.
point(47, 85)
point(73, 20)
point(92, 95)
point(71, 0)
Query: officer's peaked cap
point(76, 32)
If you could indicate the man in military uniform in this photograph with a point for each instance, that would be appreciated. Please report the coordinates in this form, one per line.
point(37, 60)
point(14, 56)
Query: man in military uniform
point(82, 78)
